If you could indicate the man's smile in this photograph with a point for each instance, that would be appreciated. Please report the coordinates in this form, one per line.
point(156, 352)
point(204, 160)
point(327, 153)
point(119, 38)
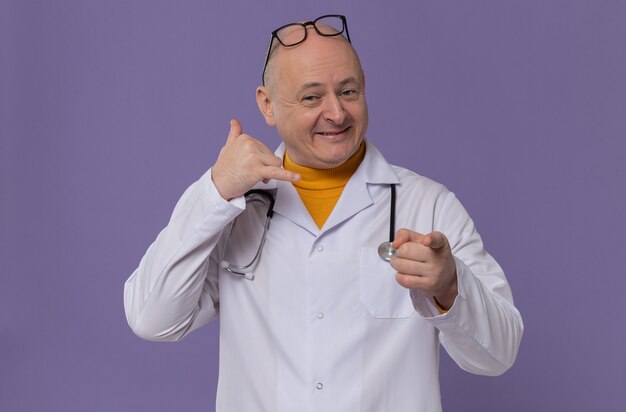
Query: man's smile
point(333, 133)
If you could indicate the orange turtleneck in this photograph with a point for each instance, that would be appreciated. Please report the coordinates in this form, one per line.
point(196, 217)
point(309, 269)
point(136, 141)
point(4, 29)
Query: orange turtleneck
point(320, 189)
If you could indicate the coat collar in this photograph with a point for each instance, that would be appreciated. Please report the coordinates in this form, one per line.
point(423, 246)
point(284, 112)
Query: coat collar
point(373, 170)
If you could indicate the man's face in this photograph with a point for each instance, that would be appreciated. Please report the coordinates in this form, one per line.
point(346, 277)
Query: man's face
point(316, 100)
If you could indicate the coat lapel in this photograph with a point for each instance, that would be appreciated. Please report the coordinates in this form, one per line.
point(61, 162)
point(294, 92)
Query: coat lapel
point(373, 170)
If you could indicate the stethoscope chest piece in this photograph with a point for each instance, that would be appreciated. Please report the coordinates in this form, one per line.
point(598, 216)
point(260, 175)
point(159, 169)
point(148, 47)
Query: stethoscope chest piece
point(386, 251)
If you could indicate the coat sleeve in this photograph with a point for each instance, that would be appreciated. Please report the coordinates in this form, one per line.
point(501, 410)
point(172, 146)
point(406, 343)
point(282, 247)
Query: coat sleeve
point(175, 288)
point(483, 329)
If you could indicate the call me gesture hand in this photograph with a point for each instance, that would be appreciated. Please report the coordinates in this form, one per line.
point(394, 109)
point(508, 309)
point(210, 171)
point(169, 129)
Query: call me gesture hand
point(425, 262)
point(243, 162)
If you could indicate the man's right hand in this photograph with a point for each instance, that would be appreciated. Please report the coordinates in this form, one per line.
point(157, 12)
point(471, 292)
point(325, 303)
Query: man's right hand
point(245, 161)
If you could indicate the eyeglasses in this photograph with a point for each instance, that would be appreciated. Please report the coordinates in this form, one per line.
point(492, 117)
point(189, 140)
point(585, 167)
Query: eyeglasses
point(293, 34)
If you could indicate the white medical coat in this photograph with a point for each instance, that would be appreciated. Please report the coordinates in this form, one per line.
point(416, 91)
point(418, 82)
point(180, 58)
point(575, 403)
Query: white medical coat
point(324, 326)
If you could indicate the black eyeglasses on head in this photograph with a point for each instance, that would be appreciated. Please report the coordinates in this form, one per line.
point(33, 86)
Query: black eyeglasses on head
point(293, 34)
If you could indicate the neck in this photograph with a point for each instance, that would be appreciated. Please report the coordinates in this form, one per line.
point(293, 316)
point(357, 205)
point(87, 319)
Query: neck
point(320, 189)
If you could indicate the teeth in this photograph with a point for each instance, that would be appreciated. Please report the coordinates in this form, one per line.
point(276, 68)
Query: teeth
point(332, 133)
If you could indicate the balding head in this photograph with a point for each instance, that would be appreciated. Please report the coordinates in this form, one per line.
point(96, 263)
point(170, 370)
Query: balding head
point(269, 74)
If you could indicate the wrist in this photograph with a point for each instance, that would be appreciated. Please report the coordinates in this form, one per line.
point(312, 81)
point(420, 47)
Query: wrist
point(219, 186)
point(446, 300)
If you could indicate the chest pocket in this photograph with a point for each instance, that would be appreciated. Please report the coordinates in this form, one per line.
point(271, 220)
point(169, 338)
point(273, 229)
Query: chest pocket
point(380, 293)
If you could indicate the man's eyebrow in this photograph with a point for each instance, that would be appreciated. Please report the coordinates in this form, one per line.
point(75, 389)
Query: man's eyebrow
point(309, 85)
point(342, 83)
point(348, 80)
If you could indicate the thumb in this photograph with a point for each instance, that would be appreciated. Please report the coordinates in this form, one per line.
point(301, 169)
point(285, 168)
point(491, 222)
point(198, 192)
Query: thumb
point(435, 240)
point(235, 130)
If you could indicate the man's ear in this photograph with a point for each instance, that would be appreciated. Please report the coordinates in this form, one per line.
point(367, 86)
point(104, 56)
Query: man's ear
point(264, 101)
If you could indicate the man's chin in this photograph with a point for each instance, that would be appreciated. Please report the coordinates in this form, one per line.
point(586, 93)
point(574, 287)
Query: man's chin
point(337, 157)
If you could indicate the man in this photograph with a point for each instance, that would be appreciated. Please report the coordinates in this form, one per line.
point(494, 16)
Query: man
point(312, 318)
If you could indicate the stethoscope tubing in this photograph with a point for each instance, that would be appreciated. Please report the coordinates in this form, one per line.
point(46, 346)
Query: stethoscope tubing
point(385, 250)
point(241, 270)
point(392, 214)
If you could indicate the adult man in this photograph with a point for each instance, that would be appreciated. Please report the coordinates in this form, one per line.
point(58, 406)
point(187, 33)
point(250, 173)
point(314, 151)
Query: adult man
point(319, 322)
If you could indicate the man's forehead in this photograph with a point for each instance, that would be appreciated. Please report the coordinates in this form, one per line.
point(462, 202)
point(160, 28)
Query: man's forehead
point(316, 45)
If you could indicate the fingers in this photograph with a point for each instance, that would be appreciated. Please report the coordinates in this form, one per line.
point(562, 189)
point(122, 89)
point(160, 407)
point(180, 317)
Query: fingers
point(273, 166)
point(434, 240)
point(423, 271)
point(414, 251)
point(425, 262)
point(278, 173)
point(266, 156)
point(405, 235)
point(423, 283)
point(409, 265)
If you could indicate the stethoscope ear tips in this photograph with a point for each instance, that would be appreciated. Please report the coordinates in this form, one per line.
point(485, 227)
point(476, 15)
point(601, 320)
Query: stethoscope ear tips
point(249, 276)
point(224, 264)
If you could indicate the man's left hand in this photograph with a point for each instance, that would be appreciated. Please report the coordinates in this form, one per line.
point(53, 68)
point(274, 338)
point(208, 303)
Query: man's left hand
point(425, 262)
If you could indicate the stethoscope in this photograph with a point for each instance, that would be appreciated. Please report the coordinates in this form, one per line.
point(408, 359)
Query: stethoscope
point(386, 251)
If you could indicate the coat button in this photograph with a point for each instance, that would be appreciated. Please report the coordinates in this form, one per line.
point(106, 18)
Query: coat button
point(319, 386)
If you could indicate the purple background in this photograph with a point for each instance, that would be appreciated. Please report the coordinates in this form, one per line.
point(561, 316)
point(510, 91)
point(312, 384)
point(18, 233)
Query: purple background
point(110, 109)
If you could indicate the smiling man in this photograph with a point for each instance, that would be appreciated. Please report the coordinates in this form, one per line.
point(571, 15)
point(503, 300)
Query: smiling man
point(313, 317)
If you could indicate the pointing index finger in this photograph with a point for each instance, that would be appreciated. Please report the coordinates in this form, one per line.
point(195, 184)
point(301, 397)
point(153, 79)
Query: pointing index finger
point(405, 235)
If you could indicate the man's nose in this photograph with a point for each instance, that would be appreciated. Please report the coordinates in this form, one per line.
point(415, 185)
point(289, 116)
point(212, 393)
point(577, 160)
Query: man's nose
point(333, 110)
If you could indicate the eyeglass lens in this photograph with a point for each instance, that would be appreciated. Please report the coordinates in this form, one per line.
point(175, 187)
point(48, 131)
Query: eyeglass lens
point(293, 34)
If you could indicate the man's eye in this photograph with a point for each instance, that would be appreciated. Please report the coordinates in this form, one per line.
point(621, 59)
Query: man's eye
point(310, 98)
point(349, 93)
